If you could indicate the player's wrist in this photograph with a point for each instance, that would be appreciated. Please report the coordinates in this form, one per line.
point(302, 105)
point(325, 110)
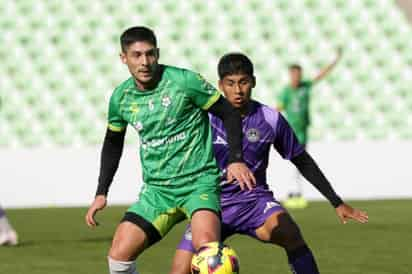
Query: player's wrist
point(235, 157)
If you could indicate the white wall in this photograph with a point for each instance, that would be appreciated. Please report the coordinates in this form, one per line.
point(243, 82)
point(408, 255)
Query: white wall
point(68, 177)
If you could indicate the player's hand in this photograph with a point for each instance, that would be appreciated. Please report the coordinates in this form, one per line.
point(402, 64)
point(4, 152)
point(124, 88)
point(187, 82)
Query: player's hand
point(241, 173)
point(98, 204)
point(346, 212)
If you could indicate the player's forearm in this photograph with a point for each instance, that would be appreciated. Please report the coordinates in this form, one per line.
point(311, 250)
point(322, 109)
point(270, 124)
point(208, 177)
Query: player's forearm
point(233, 126)
point(310, 170)
point(110, 158)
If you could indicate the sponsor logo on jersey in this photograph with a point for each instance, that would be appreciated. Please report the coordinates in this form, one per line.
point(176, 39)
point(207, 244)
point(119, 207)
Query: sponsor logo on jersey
point(204, 196)
point(164, 141)
point(253, 135)
point(219, 141)
point(269, 205)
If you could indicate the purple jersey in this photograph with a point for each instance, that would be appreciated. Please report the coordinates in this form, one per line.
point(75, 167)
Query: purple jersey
point(262, 128)
point(244, 211)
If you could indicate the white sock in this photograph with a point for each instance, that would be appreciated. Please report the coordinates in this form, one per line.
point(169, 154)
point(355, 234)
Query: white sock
point(119, 267)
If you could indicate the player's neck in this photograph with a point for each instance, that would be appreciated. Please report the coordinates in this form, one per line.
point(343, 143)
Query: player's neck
point(246, 109)
point(152, 84)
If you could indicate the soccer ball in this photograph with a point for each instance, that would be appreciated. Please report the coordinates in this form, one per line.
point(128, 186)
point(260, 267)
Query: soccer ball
point(215, 258)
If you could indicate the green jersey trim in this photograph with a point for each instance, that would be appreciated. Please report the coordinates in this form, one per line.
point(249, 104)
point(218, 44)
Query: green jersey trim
point(211, 101)
point(115, 128)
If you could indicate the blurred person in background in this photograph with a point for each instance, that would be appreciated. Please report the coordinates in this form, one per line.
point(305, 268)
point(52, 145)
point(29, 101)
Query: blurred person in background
point(8, 235)
point(294, 101)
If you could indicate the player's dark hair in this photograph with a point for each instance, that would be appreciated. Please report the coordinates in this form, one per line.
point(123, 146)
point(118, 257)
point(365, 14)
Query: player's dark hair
point(137, 34)
point(234, 63)
point(295, 66)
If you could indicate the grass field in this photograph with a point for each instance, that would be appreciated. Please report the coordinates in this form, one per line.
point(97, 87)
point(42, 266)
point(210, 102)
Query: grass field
point(56, 240)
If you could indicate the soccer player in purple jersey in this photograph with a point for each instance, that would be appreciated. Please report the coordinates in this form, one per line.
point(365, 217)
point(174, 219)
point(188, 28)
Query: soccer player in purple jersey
point(255, 212)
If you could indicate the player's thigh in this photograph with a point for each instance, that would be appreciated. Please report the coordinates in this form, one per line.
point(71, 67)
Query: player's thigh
point(202, 203)
point(205, 227)
point(279, 228)
point(128, 242)
point(181, 262)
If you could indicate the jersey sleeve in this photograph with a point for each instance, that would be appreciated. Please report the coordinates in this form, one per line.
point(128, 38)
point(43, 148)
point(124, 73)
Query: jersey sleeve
point(309, 83)
point(285, 141)
point(115, 120)
point(201, 92)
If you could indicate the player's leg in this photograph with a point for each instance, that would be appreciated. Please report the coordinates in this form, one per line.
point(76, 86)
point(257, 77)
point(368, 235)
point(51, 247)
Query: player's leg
point(8, 235)
point(145, 223)
point(280, 229)
point(203, 207)
point(183, 256)
point(128, 242)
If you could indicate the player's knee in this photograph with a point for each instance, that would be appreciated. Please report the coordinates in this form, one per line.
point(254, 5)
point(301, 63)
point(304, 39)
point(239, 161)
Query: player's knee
point(121, 267)
point(179, 269)
point(203, 238)
point(120, 252)
point(287, 233)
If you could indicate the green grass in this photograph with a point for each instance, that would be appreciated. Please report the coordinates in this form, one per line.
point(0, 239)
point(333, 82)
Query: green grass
point(56, 240)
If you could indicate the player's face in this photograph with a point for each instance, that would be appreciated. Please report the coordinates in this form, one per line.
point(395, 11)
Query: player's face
point(237, 88)
point(295, 76)
point(142, 60)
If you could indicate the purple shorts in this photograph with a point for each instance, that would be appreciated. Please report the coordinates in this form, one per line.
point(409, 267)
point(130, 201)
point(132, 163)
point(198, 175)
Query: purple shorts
point(239, 218)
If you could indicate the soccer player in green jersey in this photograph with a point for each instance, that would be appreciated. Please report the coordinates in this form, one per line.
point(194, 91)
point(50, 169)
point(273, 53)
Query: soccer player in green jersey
point(168, 108)
point(294, 101)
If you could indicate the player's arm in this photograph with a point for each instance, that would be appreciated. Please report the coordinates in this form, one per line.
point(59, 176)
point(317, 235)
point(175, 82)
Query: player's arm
point(232, 122)
point(208, 98)
point(325, 71)
point(110, 156)
point(311, 171)
point(288, 146)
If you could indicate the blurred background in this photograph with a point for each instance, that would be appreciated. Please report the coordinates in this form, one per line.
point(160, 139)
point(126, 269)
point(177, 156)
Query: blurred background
point(59, 65)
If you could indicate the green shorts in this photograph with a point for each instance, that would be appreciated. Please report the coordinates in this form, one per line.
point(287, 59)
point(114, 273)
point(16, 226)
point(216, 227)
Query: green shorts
point(162, 207)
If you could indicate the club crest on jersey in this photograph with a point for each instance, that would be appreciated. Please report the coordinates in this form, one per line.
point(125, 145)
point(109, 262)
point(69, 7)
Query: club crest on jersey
point(166, 101)
point(253, 135)
point(138, 126)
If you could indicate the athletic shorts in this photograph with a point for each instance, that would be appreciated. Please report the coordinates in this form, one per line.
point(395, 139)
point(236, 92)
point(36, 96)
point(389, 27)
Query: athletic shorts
point(159, 208)
point(240, 218)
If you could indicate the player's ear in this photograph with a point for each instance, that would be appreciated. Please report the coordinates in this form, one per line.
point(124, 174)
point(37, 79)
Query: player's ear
point(253, 81)
point(220, 84)
point(122, 56)
point(157, 53)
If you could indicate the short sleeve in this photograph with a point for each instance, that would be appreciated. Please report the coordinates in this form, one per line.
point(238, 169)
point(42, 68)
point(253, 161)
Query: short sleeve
point(115, 120)
point(309, 83)
point(201, 92)
point(286, 142)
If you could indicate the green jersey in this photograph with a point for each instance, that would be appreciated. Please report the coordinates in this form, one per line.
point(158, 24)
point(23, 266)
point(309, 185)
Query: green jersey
point(295, 102)
point(172, 123)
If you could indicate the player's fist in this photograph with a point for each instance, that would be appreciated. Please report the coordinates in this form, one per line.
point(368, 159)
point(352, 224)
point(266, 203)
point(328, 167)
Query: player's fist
point(98, 204)
point(241, 173)
point(346, 212)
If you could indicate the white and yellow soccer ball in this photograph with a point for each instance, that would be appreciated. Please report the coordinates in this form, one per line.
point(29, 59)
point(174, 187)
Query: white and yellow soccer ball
point(215, 258)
